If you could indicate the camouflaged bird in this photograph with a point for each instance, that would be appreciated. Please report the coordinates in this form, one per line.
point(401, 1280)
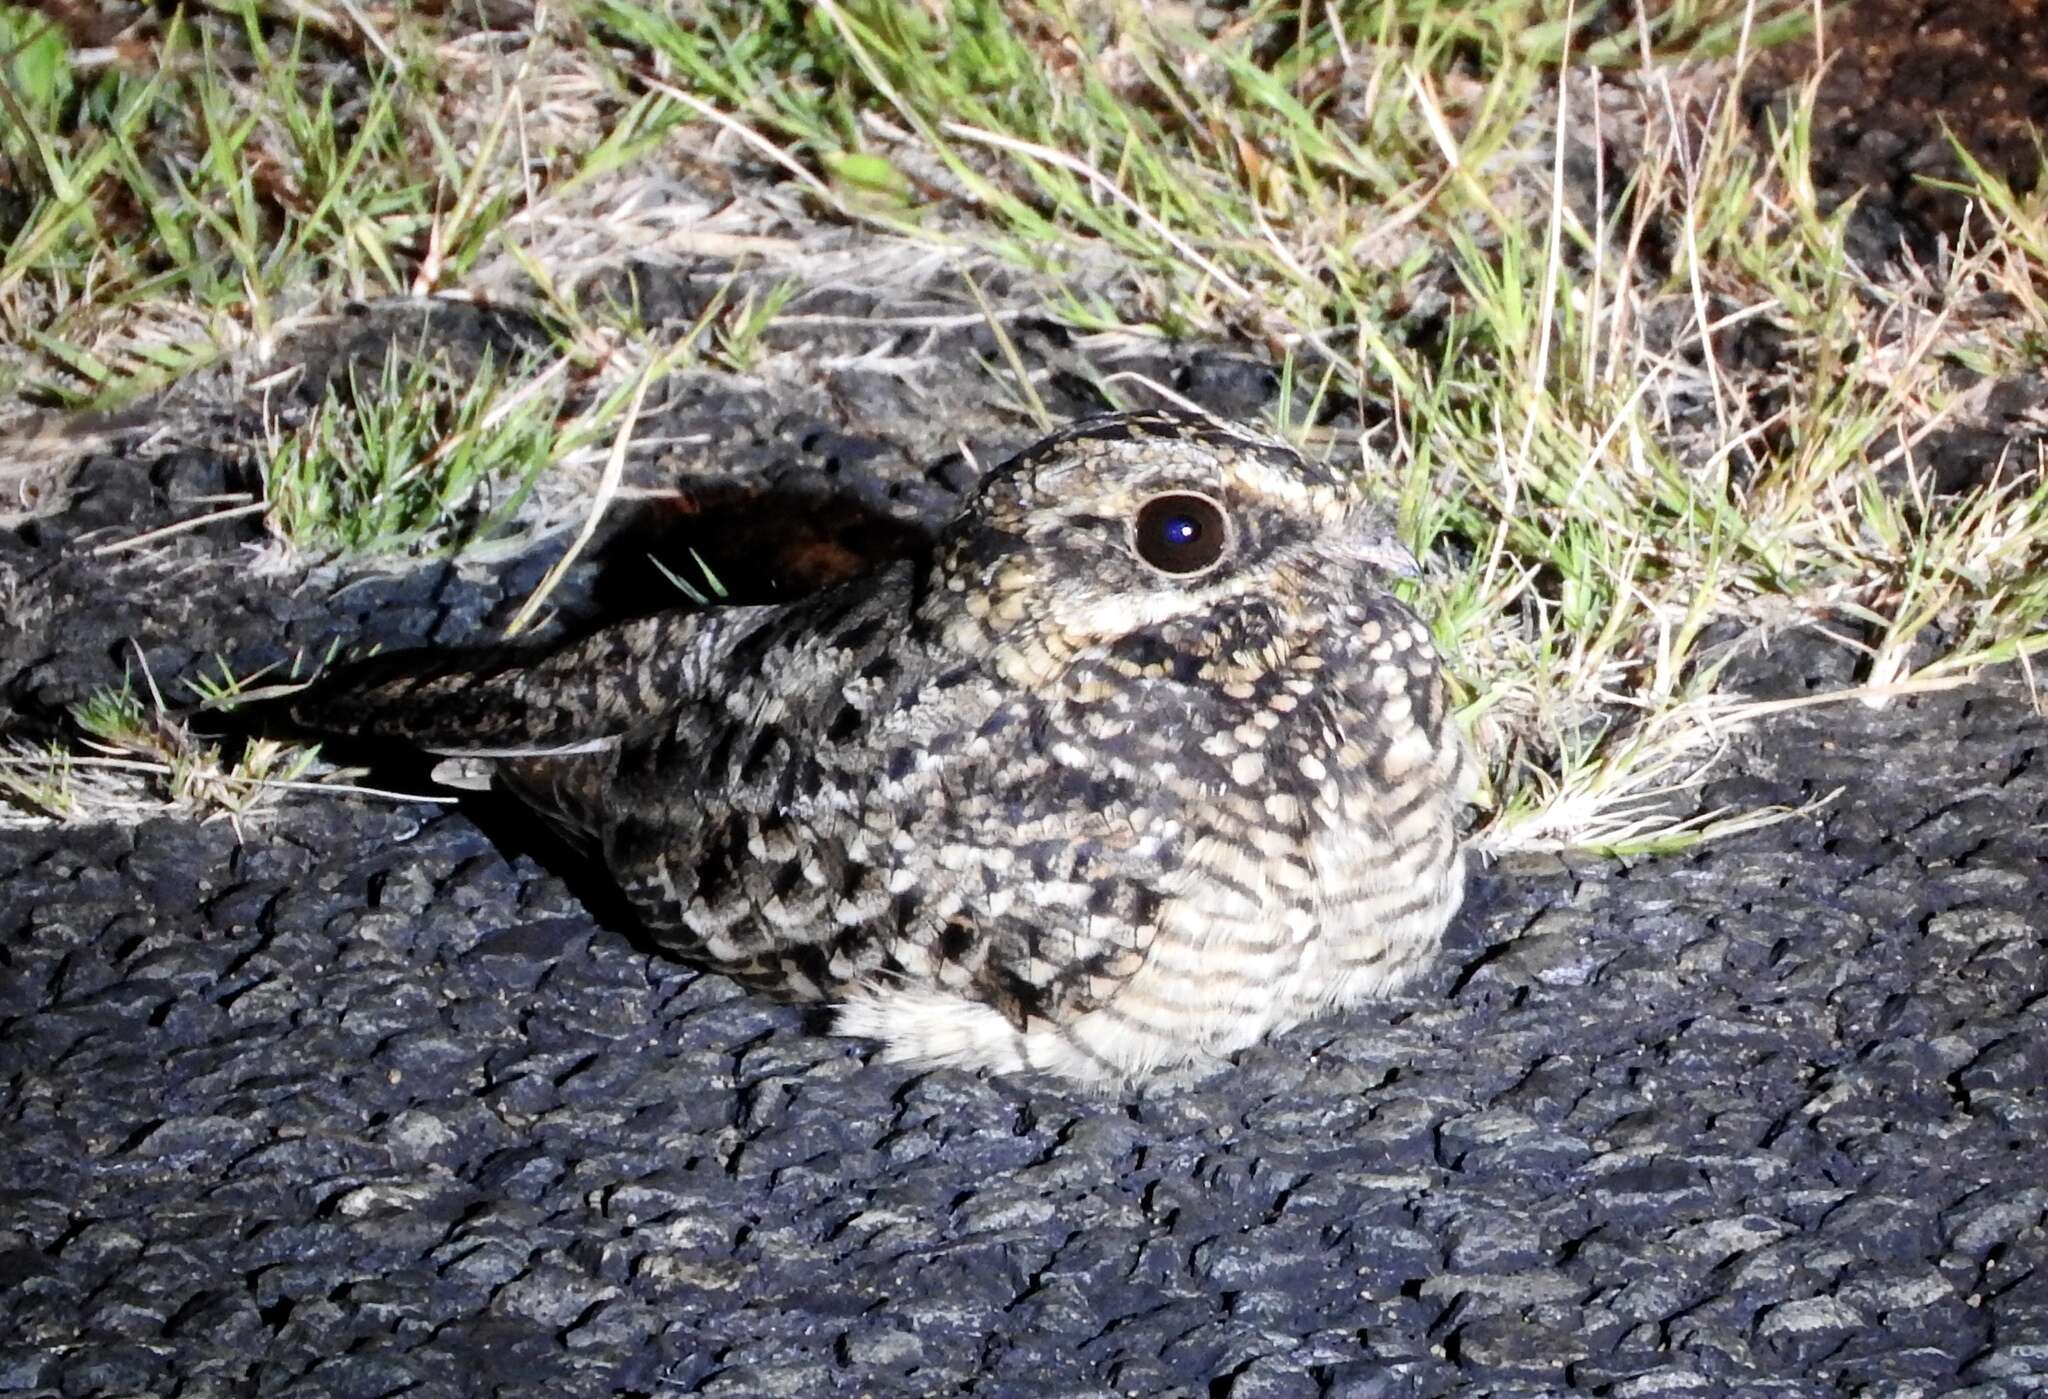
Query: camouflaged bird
point(1139, 762)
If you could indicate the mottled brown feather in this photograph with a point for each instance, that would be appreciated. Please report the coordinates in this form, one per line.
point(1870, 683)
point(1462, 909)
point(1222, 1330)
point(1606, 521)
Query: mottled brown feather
point(1025, 802)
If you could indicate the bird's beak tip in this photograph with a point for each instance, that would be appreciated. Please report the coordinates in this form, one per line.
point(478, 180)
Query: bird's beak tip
point(1390, 555)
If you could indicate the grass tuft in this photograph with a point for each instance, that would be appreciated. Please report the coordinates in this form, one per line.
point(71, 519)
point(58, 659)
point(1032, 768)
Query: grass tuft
point(1534, 266)
point(420, 451)
point(134, 759)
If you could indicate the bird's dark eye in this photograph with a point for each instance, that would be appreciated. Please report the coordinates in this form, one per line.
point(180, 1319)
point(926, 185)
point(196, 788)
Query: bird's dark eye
point(1180, 533)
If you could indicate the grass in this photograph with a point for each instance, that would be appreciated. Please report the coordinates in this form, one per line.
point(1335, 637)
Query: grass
point(419, 450)
point(1627, 415)
point(135, 759)
point(131, 757)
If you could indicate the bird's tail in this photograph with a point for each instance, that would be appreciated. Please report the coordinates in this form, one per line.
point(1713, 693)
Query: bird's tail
point(508, 702)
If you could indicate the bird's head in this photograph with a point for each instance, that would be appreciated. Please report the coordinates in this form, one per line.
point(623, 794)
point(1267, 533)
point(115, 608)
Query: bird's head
point(1184, 546)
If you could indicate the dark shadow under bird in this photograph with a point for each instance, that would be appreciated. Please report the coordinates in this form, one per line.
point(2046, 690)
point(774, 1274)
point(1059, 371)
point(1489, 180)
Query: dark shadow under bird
point(1139, 761)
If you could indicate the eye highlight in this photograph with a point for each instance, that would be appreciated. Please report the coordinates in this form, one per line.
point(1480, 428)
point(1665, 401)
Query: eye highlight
point(1180, 533)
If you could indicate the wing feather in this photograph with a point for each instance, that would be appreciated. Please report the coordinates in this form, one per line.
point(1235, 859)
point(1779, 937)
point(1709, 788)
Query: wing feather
point(509, 702)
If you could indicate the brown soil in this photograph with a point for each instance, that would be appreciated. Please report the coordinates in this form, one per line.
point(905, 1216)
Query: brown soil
point(1900, 76)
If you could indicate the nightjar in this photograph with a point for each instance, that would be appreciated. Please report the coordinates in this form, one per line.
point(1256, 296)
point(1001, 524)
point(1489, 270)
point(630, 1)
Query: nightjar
point(1137, 762)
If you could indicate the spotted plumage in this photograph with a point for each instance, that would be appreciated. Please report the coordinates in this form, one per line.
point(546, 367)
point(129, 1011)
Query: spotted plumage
point(1139, 762)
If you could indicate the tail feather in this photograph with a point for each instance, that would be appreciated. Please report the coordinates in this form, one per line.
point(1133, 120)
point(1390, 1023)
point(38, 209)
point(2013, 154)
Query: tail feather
point(513, 703)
